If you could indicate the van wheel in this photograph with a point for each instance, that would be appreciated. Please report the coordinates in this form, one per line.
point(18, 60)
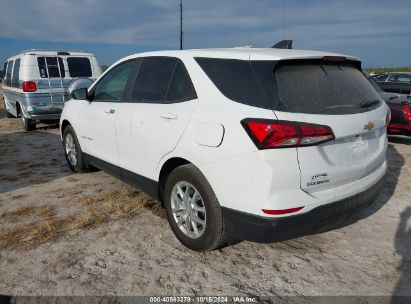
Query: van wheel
point(72, 151)
point(27, 123)
point(193, 210)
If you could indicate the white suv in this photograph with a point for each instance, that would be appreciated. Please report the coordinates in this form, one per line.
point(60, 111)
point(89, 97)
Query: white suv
point(245, 143)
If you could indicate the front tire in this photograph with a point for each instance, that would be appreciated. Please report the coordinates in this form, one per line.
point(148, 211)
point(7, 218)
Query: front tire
point(72, 151)
point(193, 210)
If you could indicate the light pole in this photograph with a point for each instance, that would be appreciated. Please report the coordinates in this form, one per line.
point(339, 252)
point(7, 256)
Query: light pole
point(181, 24)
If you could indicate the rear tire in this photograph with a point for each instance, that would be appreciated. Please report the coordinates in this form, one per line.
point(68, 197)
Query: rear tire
point(72, 151)
point(205, 212)
point(27, 123)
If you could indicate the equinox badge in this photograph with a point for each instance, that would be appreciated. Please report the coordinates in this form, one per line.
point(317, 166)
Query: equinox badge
point(369, 126)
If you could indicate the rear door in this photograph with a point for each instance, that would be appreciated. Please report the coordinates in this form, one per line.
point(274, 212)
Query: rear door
point(339, 96)
point(152, 121)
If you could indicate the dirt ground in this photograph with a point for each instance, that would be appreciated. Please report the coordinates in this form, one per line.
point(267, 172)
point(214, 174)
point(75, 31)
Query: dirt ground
point(90, 234)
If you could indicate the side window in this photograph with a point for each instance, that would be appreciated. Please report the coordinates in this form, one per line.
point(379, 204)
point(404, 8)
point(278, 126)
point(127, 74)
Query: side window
point(16, 74)
point(52, 68)
point(404, 78)
point(181, 87)
point(112, 86)
point(235, 79)
point(153, 79)
point(8, 73)
point(392, 78)
point(4, 69)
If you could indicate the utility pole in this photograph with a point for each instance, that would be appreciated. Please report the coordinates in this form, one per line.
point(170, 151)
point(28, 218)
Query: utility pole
point(181, 24)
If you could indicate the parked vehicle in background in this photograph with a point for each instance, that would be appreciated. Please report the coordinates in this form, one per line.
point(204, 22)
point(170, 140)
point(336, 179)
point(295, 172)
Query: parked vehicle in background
point(400, 123)
point(244, 143)
point(395, 82)
point(35, 85)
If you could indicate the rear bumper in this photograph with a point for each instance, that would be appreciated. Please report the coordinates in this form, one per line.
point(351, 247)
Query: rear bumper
point(51, 114)
point(396, 129)
point(245, 226)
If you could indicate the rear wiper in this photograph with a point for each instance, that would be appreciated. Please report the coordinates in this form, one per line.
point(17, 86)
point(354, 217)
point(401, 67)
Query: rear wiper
point(366, 104)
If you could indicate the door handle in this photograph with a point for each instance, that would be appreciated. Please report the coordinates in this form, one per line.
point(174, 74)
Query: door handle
point(169, 116)
point(109, 111)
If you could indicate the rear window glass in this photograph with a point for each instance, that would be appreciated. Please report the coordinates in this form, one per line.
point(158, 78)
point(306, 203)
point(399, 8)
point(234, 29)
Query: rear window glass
point(311, 87)
point(324, 89)
point(52, 67)
point(79, 67)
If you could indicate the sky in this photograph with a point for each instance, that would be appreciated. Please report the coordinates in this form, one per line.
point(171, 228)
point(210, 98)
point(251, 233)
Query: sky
point(379, 32)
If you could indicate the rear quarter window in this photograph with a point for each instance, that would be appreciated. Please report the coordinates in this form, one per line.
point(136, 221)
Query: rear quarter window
point(79, 67)
point(235, 79)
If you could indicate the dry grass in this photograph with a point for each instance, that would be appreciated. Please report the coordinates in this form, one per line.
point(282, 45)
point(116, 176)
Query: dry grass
point(92, 211)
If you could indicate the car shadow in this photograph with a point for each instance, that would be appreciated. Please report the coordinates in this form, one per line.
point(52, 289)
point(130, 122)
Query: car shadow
point(402, 244)
point(29, 158)
point(400, 140)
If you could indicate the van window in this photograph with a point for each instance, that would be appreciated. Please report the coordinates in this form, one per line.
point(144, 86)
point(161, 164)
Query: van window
point(79, 67)
point(4, 69)
point(16, 74)
point(52, 68)
point(8, 73)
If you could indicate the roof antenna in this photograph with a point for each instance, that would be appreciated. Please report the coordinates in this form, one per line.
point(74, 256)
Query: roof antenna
point(181, 24)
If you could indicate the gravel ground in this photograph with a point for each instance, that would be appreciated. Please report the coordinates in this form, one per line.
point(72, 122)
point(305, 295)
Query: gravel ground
point(90, 234)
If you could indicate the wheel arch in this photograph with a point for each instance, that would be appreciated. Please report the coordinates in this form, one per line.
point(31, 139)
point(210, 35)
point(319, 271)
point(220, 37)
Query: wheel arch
point(167, 167)
point(64, 124)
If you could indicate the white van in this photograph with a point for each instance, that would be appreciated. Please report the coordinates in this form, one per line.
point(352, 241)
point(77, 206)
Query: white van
point(35, 84)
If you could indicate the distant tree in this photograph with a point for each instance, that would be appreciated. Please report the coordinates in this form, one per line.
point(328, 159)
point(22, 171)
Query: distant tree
point(104, 67)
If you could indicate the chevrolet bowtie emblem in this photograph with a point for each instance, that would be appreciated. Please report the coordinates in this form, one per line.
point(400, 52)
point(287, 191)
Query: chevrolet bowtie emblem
point(369, 126)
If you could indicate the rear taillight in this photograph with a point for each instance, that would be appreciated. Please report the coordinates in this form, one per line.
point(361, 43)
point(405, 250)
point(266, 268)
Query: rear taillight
point(271, 134)
point(407, 112)
point(29, 86)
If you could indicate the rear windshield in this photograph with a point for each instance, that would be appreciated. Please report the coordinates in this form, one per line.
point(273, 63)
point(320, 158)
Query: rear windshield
point(311, 87)
point(51, 67)
point(79, 67)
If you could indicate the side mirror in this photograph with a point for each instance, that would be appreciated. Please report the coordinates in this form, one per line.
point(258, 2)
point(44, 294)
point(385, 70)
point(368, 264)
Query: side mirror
point(77, 85)
point(81, 94)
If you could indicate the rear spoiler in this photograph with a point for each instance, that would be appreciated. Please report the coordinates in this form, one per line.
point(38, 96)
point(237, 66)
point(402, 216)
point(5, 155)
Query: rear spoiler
point(283, 44)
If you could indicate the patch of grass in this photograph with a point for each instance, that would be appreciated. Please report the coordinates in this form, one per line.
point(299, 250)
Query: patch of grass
point(93, 211)
point(18, 196)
